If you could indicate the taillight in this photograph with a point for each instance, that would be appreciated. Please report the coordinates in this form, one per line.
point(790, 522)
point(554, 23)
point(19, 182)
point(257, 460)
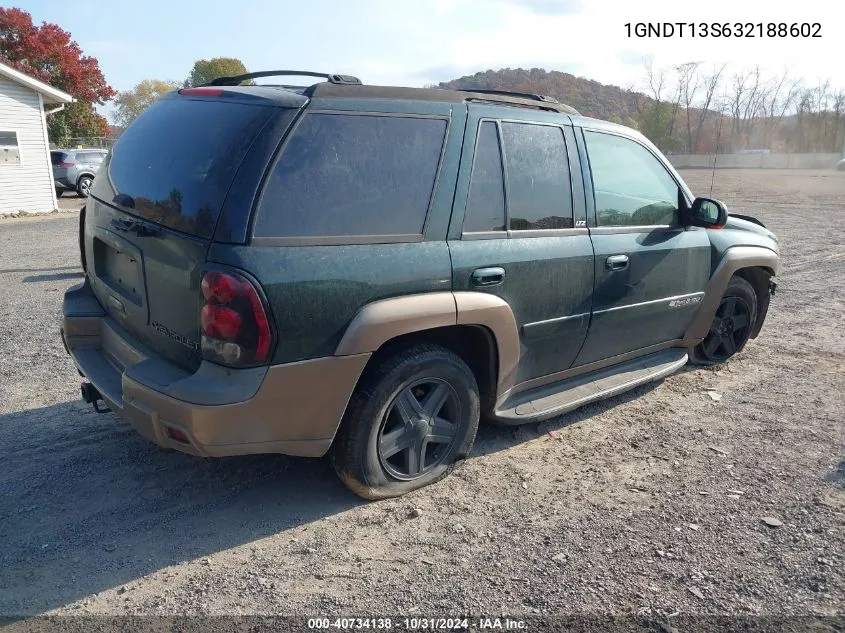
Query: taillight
point(235, 327)
point(65, 164)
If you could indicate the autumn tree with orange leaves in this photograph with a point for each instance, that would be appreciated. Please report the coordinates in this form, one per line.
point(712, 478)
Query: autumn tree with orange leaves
point(48, 53)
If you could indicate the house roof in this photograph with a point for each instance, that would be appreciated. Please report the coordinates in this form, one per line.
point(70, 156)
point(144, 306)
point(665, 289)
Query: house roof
point(50, 95)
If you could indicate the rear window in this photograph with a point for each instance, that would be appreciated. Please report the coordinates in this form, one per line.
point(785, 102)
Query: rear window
point(348, 175)
point(176, 162)
point(57, 157)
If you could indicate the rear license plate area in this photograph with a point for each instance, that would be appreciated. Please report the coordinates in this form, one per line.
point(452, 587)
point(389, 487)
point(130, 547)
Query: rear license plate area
point(120, 267)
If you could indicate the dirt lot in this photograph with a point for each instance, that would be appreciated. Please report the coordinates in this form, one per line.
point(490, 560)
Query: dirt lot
point(648, 503)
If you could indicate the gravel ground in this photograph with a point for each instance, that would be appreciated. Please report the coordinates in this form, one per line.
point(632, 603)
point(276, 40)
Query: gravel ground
point(651, 503)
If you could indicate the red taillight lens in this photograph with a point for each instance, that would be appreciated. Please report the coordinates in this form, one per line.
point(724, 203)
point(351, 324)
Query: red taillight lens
point(219, 288)
point(220, 322)
point(262, 345)
point(235, 327)
point(65, 164)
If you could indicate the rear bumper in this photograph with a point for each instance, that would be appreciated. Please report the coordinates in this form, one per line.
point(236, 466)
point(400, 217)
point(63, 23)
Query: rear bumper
point(293, 409)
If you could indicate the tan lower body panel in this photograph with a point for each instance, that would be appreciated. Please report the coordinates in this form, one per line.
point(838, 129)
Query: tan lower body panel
point(293, 408)
point(734, 259)
point(296, 411)
point(380, 321)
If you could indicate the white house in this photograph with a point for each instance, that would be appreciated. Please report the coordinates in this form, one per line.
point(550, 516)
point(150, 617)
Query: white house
point(26, 175)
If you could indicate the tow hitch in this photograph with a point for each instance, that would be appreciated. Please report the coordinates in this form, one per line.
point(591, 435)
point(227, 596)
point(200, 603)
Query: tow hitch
point(91, 395)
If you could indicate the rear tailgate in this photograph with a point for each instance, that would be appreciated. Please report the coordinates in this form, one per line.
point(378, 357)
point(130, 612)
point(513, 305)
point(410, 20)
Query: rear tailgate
point(147, 278)
point(152, 212)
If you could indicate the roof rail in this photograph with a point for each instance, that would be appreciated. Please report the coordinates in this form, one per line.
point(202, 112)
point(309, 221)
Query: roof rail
point(508, 93)
point(237, 79)
point(542, 102)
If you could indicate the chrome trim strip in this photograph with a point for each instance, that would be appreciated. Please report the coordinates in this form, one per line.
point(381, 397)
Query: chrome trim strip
point(336, 240)
point(571, 317)
point(642, 228)
point(547, 232)
point(645, 303)
point(514, 235)
point(484, 235)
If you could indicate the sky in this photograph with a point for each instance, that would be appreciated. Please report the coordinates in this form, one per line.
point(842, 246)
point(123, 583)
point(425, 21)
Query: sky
point(419, 42)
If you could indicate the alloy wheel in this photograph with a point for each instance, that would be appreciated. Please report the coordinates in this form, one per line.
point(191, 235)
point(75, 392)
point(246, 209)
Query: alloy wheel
point(729, 330)
point(420, 426)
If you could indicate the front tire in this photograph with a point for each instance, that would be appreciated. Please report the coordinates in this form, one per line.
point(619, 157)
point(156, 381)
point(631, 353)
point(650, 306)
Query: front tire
point(411, 420)
point(83, 186)
point(731, 326)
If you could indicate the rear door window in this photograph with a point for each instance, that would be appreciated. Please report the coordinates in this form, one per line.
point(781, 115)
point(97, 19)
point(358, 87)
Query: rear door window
point(177, 160)
point(353, 175)
point(537, 174)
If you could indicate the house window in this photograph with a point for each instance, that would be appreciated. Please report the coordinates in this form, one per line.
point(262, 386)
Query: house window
point(10, 153)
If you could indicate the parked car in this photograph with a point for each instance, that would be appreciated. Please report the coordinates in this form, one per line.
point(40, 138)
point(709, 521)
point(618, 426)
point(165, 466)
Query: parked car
point(366, 272)
point(841, 165)
point(74, 169)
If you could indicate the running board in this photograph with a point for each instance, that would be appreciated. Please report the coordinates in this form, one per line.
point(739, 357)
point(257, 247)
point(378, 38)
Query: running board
point(561, 397)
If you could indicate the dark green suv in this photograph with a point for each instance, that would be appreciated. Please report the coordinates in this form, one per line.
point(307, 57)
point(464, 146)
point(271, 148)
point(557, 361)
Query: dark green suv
point(365, 272)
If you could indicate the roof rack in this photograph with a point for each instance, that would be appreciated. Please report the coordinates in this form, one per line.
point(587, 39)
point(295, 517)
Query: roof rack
point(235, 80)
point(518, 99)
point(508, 93)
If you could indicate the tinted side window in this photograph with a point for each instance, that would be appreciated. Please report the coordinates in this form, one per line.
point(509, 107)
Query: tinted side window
point(352, 175)
point(632, 188)
point(89, 157)
point(486, 203)
point(538, 182)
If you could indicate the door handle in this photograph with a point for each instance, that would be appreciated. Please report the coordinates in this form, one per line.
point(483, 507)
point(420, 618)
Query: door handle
point(488, 276)
point(616, 262)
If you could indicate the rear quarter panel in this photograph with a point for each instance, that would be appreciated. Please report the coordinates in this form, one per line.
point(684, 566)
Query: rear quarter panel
point(315, 291)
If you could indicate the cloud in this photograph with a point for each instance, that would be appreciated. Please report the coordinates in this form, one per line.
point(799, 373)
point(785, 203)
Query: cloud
point(549, 7)
point(631, 58)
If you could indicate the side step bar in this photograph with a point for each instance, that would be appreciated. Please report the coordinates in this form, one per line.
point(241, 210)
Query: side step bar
point(561, 397)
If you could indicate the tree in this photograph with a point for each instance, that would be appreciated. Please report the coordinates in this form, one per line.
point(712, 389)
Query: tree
point(205, 70)
point(688, 85)
point(711, 83)
point(655, 123)
point(48, 54)
point(130, 103)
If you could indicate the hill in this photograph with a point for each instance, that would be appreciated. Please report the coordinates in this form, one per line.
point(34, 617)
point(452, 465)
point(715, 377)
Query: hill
point(589, 97)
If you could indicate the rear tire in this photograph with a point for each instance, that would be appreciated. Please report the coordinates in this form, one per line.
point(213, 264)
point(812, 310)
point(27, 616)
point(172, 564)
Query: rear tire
point(83, 185)
point(59, 193)
point(411, 420)
point(731, 326)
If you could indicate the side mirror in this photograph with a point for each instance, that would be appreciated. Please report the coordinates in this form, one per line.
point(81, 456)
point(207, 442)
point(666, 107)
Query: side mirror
point(708, 213)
